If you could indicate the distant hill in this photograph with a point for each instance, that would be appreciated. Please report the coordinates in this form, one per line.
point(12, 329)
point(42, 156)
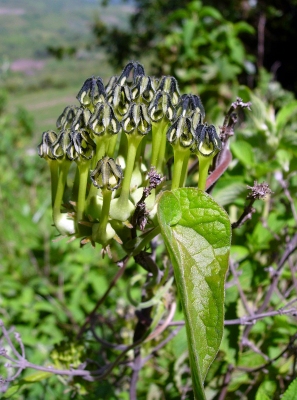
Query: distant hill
point(34, 79)
point(27, 28)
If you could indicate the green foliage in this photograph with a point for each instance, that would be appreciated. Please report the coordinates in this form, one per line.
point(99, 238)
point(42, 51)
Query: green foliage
point(195, 43)
point(290, 393)
point(203, 50)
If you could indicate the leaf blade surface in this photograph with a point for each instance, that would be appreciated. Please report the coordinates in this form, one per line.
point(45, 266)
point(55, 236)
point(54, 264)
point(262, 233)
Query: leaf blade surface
point(197, 234)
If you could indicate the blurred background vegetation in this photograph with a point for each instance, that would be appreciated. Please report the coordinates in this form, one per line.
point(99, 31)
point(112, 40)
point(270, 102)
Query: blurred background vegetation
point(217, 50)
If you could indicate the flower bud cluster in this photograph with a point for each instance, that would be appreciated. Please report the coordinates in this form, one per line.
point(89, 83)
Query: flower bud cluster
point(104, 149)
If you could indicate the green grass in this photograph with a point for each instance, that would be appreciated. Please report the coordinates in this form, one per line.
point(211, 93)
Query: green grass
point(56, 22)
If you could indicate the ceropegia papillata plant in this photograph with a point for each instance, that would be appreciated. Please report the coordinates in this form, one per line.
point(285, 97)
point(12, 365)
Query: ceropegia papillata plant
point(120, 164)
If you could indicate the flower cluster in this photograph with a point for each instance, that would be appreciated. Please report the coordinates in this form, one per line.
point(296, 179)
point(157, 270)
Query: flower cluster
point(101, 158)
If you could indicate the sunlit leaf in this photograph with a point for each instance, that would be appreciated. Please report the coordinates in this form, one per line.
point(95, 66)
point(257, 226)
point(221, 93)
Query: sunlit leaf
point(197, 234)
point(290, 393)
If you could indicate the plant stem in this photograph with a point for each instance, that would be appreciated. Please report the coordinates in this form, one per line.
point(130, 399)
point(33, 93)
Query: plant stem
point(179, 155)
point(158, 142)
point(54, 170)
point(204, 164)
point(101, 235)
point(184, 171)
point(161, 156)
point(63, 172)
point(133, 143)
point(111, 145)
point(101, 146)
point(83, 168)
point(75, 187)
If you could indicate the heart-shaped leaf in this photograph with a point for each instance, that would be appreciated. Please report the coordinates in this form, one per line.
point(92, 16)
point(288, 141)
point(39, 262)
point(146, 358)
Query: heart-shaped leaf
point(197, 234)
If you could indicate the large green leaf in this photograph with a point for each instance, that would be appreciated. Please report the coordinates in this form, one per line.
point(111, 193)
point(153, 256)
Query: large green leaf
point(197, 234)
point(290, 393)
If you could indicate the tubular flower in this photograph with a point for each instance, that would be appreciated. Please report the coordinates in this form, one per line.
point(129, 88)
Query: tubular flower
point(107, 174)
point(132, 69)
point(136, 120)
point(180, 136)
point(181, 132)
point(161, 112)
point(103, 120)
point(45, 147)
point(143, 90)
point(67, 117)
point(161, 107)
point(207, 141)
point(188, 105)
point(92, 92)
point(169, 85)
point(119, 131)
point(206, 145)
point(120, 98)
point(59, 147)
point(80, 145)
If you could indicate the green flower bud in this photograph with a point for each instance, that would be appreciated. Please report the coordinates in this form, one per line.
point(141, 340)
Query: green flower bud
point(136, 120)
point(59, 147)
point(155, 82)
point(196, 119)
point(206, 145)
point(143, 89)
point(45, 147)
point(189, 105)
point(133, 68)
point(92, 92)
point(207, 141)
point(107, 174)
point(181, 132)
point(111, 84)
point(169, 85)
point(80, 146)
point(160, 107)
point(81, 119)
point(67, 117)
point(103, 120)
point(120, 99)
